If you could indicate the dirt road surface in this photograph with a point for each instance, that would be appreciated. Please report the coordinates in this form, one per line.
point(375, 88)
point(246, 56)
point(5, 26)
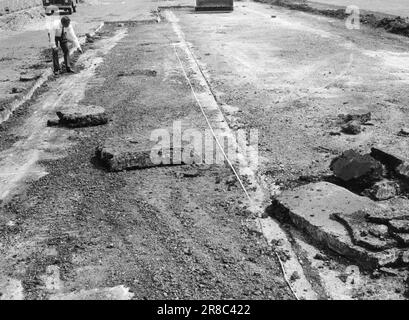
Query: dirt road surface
point(71, 229)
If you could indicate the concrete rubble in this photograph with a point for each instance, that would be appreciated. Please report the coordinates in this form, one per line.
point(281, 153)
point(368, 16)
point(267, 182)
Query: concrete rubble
point(80, 116)
point(315, 209)
point(351, 165)
point(126, 153)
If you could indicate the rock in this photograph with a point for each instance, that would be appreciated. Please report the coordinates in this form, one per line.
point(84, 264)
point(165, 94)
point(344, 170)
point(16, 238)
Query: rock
point(393, 158)
point(15, 90)
point(362, 116)
point(403, 238)
point(190, 174)
point(29, 77)
point(53, 122)
point(404, 132)
point(378, 230)
point(400, 226)
point(295, 276)
point(310, 208)
point(320, 256)
point(356, 223)
point(351, 127)
point(385, 189)
point(120, 154)
point(383, 216)
point(82, 116)
point(115, 293)
point(352, 165)
point(389, 271)
point(405, 257)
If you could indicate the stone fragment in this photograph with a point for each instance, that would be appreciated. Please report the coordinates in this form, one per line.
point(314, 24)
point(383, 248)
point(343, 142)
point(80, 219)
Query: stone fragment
point(352, 165)
point(405, 257)
point(310, 208)
point(400, 226)
point(385, 189)
point(378, 230)
point(53, 122)
point(82, 116)
point(362, 116)
point(356, 223)
point(403, 239)
point(15, 90)
point(120, 154)
point(351, 127)
point(383, 216)
point(29, 77)
point(115, 293)
point(404, 132)
point(393, 159)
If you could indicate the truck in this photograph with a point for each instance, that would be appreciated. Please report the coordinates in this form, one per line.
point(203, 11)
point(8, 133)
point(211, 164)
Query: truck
point(52, 6)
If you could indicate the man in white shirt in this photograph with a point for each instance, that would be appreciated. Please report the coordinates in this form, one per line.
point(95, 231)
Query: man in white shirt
point(60, 34)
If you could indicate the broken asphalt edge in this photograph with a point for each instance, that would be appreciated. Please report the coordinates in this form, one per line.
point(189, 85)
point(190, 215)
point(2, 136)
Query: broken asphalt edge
point(45, 76)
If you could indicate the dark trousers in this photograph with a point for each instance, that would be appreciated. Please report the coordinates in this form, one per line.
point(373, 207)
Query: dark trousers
point(65, 50)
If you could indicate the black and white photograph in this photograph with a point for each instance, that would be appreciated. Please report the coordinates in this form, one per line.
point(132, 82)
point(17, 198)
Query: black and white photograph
point(203, 155)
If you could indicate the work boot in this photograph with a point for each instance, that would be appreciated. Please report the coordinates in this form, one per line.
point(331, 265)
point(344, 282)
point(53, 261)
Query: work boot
point(69, 70)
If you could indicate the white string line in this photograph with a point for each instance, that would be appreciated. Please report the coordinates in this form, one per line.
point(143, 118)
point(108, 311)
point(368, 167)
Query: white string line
point(208, 123)
point(231, 165)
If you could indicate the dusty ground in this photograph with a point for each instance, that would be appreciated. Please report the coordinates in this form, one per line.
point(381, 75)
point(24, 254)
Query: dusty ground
point(189, 231)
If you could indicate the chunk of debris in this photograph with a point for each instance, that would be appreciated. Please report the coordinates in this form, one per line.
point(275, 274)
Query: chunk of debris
point(115, 293)
point(310, 208)
point(404, 132)
point(384, 216)
point(359, 230)
point(352, 165)
point(403, 238)
point(401, 226)
point(53, 122)
point(362, 116)
point(82, 116)
point(123, 153)
point(320, 256)
point(25, 77)
point(405, 257)
point(15, 90)
point(391, 158)
point(351, 127)
point(384, 190)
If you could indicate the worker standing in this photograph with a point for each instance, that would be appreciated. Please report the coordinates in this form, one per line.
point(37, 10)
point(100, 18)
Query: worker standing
point(60, 34)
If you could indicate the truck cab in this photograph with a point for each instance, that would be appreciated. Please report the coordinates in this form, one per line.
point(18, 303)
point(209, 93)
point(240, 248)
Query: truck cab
point(52, 6)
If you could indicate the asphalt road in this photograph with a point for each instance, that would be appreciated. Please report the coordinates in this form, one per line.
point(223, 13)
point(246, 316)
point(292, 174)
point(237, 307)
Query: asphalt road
point(70, 229)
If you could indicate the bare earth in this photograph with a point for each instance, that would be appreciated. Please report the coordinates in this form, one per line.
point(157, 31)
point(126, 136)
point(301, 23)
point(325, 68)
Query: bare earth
point(71, 229)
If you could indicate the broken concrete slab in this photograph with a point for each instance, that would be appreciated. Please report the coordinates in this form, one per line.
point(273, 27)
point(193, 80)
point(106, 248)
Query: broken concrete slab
point(115, 293)
point(29, 77)
point(360, 231)
point(384, 190)
point(395, 158)
point(310, 208)
point(400, 226)
point(351, 127)
point(362, 116)
point(352, 165)
point(383, 216)
point(403, 239)
point(123, 153)
point(82, 116)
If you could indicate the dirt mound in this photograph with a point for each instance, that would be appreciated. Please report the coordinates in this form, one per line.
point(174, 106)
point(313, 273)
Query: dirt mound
point(19, 20)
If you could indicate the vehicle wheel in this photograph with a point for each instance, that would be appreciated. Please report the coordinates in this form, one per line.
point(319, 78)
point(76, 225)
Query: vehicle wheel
point(74, 8)
point(69, 11)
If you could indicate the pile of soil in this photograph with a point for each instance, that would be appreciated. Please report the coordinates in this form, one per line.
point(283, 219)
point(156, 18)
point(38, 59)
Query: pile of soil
point(18, 20)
